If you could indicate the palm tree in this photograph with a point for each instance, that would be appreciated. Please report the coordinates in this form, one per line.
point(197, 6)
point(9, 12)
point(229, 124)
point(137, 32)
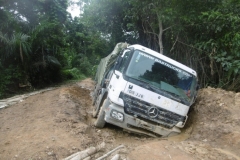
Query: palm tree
point(17, 43)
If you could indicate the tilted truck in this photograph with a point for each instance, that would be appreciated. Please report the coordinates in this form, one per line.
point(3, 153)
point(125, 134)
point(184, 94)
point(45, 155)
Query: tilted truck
point(143, 91)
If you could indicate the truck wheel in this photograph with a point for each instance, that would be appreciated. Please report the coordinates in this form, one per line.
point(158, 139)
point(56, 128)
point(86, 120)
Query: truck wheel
point(100, 122)
point(96, 106)
point(95, 94)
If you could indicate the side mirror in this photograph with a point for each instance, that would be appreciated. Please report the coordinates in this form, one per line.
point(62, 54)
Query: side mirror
point(117, 65)
point(117, 76)
point(120, 60)
point(114, 69)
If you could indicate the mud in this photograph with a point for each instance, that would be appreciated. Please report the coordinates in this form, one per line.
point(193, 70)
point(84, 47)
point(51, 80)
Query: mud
point(57, 123)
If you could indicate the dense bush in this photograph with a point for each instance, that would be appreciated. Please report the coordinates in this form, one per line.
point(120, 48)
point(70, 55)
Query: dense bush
point(42, 44)
point(10, 78)
point(70, 74)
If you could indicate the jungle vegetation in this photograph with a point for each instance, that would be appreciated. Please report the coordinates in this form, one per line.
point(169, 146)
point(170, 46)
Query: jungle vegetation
point(42, 44)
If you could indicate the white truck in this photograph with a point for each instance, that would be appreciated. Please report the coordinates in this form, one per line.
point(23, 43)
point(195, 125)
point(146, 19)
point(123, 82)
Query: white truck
point(143, 91)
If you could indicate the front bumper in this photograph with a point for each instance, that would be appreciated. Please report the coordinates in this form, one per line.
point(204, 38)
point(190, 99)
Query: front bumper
point(134, 124)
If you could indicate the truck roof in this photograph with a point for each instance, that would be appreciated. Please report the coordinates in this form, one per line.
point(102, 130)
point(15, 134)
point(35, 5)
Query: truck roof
point(165, 58)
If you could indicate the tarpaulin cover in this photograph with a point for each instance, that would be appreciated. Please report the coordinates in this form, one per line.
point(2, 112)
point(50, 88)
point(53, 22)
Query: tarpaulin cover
point(107, 62)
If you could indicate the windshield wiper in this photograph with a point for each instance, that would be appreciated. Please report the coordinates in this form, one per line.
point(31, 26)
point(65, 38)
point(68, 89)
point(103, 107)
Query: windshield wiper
point(171, 95)
point(146, 85)
point(179, 99)
point(143, 84)
point(168, 94)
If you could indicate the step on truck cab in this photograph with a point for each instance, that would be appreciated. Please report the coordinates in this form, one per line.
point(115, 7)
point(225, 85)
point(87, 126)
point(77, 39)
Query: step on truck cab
point(143, 91)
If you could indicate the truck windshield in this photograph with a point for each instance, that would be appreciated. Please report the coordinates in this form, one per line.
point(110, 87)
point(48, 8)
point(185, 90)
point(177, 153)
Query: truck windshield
point(162, 76)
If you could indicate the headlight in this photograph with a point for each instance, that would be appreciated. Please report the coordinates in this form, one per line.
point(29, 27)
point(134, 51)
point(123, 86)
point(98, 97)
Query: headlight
point(117, 115)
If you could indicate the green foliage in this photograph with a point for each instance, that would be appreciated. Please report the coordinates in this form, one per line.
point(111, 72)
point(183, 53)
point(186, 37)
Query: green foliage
point(45, 69)
point(70, 74)
point(106, 16)
point(201, 34)
point(220, 38)
point(40, 40)
point(8, 78)
point(16, 44)
point(85, 66)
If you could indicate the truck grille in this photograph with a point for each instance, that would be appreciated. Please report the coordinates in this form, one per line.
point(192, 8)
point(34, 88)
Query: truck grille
point(143, 110)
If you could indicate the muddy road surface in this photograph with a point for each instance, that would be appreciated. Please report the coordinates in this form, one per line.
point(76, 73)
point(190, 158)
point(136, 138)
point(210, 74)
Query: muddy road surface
point(55, 124)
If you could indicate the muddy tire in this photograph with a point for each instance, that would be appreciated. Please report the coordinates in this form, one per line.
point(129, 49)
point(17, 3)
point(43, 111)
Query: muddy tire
point(100, 122)
point(95, 94)
point(96, 107)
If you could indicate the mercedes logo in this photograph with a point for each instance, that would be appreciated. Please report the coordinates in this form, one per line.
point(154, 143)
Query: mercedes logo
point(153, 112)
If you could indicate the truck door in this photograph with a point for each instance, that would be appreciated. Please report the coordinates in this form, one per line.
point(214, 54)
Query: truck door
point(117, 83)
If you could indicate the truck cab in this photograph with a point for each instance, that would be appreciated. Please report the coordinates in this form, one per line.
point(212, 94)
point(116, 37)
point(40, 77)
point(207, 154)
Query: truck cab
point(143, 92)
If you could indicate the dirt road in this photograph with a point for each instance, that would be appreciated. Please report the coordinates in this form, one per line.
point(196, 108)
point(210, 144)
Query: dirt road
point(57, 123)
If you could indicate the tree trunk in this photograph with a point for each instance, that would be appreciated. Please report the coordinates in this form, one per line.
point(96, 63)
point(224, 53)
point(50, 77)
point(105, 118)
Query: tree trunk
point(160, 36)
point(86, 153)
point(109, 153)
